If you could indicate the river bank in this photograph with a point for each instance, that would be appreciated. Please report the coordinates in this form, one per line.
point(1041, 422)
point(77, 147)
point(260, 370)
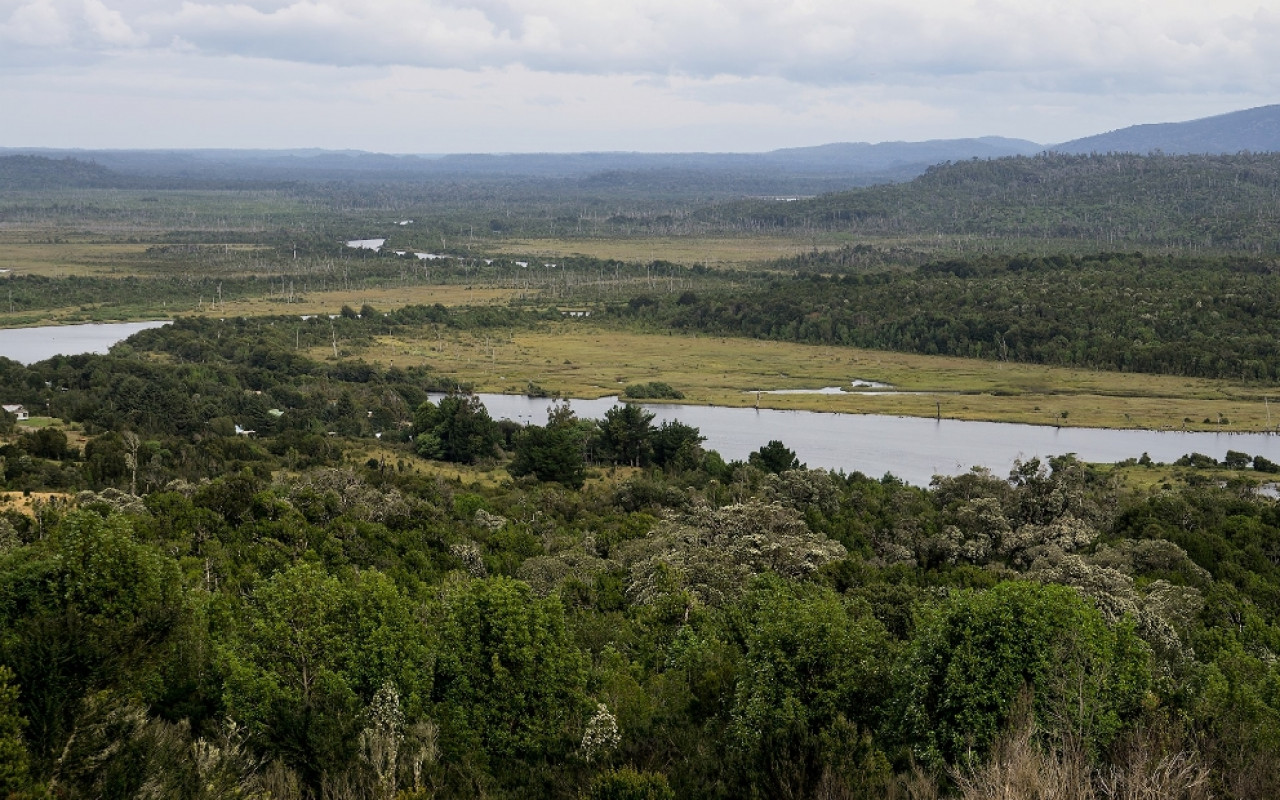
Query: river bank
point(581, 360)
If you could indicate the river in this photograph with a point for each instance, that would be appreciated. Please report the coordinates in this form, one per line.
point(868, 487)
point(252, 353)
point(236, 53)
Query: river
point(29, 345)
point(911, 448)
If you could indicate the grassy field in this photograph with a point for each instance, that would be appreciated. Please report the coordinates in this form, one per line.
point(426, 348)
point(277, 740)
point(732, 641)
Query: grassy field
point(711, 251)
point(577, 359)
point(32, 254)
point(25, 503)
point(314, 303)
point(381, 299)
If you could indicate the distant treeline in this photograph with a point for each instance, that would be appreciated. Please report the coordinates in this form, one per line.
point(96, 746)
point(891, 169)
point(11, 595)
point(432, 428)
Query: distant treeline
point(1213, 318)
point(1196, 202)
point(1188, 202)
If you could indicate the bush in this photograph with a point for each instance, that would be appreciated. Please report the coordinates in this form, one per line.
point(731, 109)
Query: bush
point(628, 784)
point(1261, 464)
point(655, 390)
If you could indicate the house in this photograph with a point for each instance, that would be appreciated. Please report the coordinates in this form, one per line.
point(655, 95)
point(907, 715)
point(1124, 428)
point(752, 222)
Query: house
point(18, 411)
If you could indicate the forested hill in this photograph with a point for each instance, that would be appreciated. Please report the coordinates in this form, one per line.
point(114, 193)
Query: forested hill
point(1218, 202)
point(36, 172)
point(24, 173)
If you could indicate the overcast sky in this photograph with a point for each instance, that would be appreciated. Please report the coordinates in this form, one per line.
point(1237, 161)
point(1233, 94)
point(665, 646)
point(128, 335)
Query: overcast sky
point(445, 76)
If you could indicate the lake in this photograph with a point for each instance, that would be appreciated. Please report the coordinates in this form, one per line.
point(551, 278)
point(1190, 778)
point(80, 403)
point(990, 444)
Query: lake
point(29, 345)
point(912, 448)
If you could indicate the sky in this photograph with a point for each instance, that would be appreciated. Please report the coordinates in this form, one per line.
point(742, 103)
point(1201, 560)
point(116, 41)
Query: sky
point(451, 76)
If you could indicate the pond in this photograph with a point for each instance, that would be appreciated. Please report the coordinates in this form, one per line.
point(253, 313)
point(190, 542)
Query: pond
point(911, 448)
point(29, 345)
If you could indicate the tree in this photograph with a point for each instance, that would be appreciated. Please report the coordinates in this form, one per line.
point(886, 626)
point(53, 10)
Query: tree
point(712, 554)
point(89, 609)
point(508, 677)
point(553, 452)
point(311, 652)
point(972, 655)
point(774, 457)
point(677, 446)
point(814, 670)
point(14, 760)
point(458, 429)
point(629, 784)
point(625, 434)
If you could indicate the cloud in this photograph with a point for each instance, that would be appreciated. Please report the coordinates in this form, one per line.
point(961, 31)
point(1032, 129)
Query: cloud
point(619, 74)
point(1073, 43)
point(108, 26)
point(52, 31)
point(36, 24)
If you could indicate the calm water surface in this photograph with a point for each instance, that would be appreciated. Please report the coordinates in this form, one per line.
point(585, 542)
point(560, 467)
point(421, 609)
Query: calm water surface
point(29, 345)
point(911, 448)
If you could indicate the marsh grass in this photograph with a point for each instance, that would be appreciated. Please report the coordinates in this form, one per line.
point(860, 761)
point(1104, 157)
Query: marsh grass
point(712, 251)
point(579, 359)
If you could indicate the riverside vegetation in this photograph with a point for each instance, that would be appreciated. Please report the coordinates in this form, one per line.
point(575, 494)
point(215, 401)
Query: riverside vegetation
point(246, 555)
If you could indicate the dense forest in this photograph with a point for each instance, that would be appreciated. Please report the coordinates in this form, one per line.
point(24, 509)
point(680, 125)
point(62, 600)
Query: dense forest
point(1197, 203)
point(1116, 311)
point(315, 610)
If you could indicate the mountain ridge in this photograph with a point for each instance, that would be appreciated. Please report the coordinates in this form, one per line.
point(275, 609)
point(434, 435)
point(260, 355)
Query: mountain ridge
point(1248, 130)
point(814, 169)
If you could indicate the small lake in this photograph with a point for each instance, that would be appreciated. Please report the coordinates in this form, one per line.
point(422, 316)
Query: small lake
point(29, 345)
point(912, 448)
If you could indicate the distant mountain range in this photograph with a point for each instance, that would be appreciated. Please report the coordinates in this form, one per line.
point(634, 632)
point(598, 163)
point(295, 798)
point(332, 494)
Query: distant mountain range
point(1254, 130)
point(799, 170)
point(846, 164)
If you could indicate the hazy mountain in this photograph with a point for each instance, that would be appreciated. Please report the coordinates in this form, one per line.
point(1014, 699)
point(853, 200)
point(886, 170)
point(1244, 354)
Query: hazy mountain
point(886, 155)
point(23, 172)
point(1256, 130)
point(853, 164)
point(796, 170)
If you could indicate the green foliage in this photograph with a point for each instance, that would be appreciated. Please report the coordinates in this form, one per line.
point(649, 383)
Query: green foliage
point(89, 608)
point(625, 434)
point(677, 446)
point(1263, 464)
point(14, 759)
point(509, 680)
point(709, 556)
point(261, 621)
point(554, 452)
point(774, 457)
point(1180, 315)
point(814, 670)
point(972, 654)
point(629, 784)
point(654, 390)
point(1162, 200)
point(458, 428)
point(310, 651)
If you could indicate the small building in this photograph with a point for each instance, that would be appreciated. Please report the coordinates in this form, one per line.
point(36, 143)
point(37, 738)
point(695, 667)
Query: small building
point(18, 411)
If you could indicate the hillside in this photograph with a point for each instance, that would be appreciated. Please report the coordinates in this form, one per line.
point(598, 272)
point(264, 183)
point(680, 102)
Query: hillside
point(1254, 130)
point(800, 170)
point(37, 172)
point(1223, 202)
